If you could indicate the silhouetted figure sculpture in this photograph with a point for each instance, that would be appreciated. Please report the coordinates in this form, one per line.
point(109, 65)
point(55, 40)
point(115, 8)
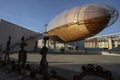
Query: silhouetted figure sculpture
point(62, 49)
point(7, 52)
point(35, 47)
point(22, 56)
point(43, 62)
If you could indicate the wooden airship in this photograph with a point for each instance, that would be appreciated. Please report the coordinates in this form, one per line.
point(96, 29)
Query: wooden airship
point(81, 22)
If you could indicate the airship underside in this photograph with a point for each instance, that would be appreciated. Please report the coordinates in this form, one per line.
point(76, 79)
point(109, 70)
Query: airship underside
point(80, 22)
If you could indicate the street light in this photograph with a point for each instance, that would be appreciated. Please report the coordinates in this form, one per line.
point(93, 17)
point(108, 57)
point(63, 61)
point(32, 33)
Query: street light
point(46, 25)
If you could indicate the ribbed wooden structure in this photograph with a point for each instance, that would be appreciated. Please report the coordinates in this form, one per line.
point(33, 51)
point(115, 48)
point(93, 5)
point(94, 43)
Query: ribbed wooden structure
point(80, 30)
point(79, 23)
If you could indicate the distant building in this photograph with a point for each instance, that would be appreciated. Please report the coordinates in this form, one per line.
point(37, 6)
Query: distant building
point(16, 32)
point(104, 42)
point(109, 41)
point(57, 45)
point(50, 44)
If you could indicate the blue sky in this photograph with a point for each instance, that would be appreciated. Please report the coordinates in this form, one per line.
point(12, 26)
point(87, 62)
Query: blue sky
point(34, 14)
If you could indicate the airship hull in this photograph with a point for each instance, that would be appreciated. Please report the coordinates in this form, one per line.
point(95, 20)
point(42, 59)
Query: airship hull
point(80, 30)
point(79, 23)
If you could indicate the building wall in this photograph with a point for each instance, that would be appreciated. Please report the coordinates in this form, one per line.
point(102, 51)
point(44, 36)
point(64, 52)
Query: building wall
point(30, 45)
point(16, 32)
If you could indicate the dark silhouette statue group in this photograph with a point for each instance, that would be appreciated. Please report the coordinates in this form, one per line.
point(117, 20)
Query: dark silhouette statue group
point(89, 69)
point(22, 58)
point(22, 55)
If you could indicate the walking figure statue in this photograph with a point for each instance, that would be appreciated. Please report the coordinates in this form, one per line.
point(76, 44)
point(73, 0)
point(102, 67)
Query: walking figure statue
point(43, 62)
point(22, 56)
point(7, 52)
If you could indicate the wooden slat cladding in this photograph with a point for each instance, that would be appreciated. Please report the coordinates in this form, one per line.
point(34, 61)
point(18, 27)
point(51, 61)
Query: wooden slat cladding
point(80, 30)
point(97, 25)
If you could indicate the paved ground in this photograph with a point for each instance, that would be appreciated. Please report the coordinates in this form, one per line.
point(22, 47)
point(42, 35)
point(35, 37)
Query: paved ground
point(70, 64)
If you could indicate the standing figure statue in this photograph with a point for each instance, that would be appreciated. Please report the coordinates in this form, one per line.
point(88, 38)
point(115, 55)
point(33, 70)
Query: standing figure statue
point(43, 62)
point(22, 56)
point(7, 52)
point(35, 47)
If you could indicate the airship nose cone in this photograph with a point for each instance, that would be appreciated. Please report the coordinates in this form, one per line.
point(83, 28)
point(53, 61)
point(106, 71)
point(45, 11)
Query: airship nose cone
point(98, 10)
point(113, 13)
point(98, 16)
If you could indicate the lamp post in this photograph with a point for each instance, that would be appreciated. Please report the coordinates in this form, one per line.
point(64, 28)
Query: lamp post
point(45, 37)
point(46, 25)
